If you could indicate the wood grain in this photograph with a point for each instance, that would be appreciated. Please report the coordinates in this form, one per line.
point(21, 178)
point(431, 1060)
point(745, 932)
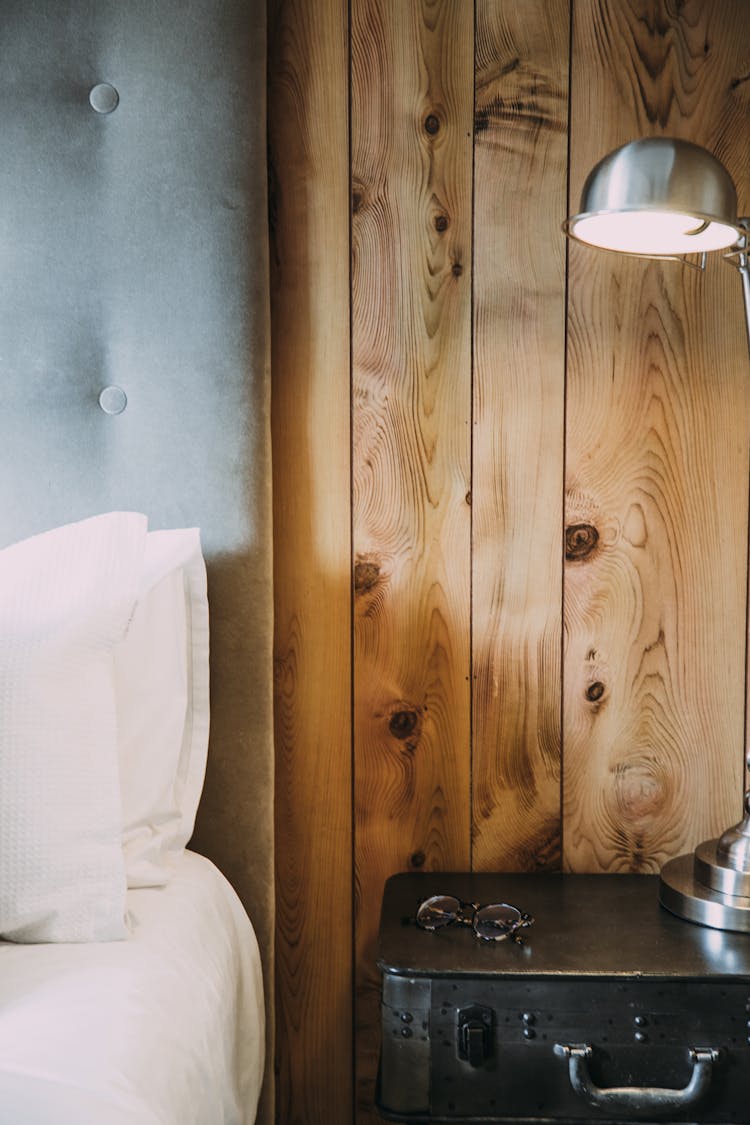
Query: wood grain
point(519, 346)
point(311, 420)
point(657, 445)
point(649, 557)
point(412, 82)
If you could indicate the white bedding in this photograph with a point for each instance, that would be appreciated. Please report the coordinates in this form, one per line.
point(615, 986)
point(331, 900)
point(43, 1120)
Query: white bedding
point(164, 1028)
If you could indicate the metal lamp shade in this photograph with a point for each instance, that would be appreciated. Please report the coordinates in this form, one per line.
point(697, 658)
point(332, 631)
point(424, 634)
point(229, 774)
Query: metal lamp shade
point(658, 197)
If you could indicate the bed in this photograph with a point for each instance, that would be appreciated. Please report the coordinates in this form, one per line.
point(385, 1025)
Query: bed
point(165, 1028)
point(131, 984)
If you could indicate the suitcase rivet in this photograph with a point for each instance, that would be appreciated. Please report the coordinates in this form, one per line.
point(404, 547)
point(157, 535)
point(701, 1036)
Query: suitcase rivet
point(528, 1017)
point(641, 1037)
point(407, 1017)
point(529, 1033)
point(640, 1021)
point(406, 1032)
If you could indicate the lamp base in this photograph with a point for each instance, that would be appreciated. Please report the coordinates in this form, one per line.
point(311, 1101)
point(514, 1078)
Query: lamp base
point(684, 894)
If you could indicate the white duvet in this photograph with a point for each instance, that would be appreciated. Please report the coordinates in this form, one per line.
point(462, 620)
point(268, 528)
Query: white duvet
point(164, 1028)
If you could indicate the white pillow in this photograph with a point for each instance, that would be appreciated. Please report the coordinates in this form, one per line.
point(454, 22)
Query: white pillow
point(66, 597)
point(162, 693)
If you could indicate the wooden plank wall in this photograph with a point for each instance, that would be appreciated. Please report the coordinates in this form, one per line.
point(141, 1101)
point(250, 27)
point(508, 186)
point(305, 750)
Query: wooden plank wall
point(656, 451)
point(521, 142)
point(309, 207)
point(411, 350)
point(510, 475)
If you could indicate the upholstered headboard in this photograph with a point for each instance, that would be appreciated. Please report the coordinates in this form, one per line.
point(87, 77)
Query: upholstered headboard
point(133, 331)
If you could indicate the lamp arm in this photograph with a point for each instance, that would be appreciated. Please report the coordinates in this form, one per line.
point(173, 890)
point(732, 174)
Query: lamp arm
point(744, 267)
point(738, 837)
point(740, 260)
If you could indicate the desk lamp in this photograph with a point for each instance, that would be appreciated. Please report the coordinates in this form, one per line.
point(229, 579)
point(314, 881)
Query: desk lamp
point(665, 198)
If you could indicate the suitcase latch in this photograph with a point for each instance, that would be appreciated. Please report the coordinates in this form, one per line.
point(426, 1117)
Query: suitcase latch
point(474, 1034)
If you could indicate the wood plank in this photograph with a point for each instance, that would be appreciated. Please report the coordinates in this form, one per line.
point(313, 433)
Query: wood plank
point(519, 344)
point(412, 90)
point(308, 134)
point(657, 458)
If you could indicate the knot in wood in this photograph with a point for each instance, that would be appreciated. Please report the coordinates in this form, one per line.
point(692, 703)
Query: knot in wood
point(360, 195)
point(432, 124)
point(640, 790)
point(402, 724)
point(366, 575)
point(580, 540)
point(482, 120)
point(595, 691)
point(441, 223)
point(417, 859)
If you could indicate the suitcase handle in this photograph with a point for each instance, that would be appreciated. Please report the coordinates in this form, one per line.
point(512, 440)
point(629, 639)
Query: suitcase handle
point(638, 1101)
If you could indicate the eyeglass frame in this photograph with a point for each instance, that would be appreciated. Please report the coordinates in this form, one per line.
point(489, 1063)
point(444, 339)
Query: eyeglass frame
point(510, 930)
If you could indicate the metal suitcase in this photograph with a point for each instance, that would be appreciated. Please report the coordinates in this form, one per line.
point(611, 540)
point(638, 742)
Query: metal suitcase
point(611, 1010)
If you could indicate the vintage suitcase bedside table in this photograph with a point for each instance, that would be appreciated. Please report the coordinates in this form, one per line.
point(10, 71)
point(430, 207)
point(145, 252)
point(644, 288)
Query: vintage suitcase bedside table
point(611, 1010)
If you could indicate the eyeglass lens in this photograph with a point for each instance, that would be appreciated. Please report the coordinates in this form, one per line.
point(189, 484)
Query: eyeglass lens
point(438, 911)
point(495, 922)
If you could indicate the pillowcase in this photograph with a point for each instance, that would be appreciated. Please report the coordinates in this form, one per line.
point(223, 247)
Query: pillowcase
point(162, 700)
point(66, 598)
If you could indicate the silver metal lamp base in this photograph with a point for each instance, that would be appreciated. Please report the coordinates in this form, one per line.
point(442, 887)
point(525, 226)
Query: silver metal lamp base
point(712, 886)
point(688, 897)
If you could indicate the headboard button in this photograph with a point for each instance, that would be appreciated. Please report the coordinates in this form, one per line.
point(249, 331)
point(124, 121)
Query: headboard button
point(113, 400)
point(103, 98)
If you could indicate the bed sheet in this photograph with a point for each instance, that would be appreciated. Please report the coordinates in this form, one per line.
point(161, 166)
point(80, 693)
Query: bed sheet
point(165, 1028)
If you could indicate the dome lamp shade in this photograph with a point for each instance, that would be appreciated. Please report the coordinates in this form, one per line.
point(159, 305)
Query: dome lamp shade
point(658, 197)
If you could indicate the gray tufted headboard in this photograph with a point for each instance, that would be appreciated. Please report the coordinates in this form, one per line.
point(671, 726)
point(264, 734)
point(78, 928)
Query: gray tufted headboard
point(133, 273)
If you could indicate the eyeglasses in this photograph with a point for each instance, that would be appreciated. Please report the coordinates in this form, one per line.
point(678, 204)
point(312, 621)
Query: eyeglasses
point(495, 922)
